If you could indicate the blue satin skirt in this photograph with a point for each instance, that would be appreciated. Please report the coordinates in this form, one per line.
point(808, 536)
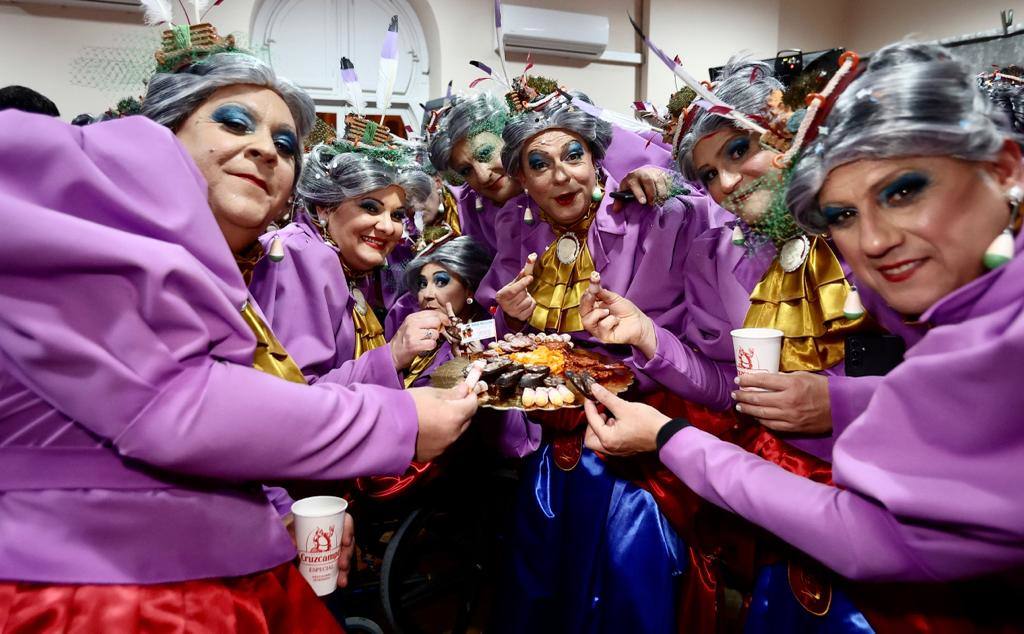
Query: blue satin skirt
point(773, 608)
point(588, 553)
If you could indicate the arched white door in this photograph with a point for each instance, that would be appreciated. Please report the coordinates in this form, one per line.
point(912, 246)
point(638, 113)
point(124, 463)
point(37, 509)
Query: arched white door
point(307, 38)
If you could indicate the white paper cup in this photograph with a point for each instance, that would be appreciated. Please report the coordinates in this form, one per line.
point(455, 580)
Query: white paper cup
point(757, 349)
point(319, 522)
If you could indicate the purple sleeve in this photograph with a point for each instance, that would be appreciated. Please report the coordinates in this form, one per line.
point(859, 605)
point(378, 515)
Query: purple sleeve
point(306, 301)
point(628, 151)
point(122, 310)
point(924, 474)
point(848, 398)
point(687, 372)
point(852, 535)
point(280, 499)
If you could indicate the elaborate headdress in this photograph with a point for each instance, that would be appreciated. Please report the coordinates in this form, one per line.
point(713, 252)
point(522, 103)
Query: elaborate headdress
point(184, 44)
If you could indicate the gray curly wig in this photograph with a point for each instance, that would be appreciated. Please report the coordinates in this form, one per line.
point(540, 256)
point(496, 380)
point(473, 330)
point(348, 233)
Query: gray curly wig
point(172, 97)
point(468, 116)
point(463, 257)
point(745, 84)
point(331, 177)
point(558, 114)
point(912, 100)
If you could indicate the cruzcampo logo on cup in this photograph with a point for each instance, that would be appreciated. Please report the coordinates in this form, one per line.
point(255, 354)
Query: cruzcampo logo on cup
point(319, 522)
point(757, 349)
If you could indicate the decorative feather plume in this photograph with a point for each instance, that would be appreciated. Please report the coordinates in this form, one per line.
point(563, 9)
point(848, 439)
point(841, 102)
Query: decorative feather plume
point(387, 72)
point(721, 107)
point(490, 75)
point(612, 117)
point(199, 8)
point(353, 91)
point(501, 40)
point(158, 12)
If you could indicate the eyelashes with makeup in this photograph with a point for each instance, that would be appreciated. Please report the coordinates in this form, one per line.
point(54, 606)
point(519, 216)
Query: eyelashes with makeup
point(838, 216)
point(441, 279)
point(903, 189)
point(536, 162)
point(287, 144)
point(573, 152)
point(737, 148)
point(235, 118)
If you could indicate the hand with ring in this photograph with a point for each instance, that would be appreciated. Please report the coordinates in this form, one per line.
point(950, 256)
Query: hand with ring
point(418, 333)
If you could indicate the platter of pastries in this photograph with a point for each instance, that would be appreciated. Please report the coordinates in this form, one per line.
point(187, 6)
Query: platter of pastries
point(533, 371)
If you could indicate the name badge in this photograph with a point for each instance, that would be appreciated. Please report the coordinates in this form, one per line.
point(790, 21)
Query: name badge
point(478, 331)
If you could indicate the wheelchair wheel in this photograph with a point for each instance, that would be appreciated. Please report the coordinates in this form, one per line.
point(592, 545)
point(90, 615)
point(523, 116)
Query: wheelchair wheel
point(432, 571)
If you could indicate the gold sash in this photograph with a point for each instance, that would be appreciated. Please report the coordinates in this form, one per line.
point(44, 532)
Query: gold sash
point(451, 212)
point(418, 366)
point(269, 356)
point(807, 305)
point(558, 287)
point(369, 333)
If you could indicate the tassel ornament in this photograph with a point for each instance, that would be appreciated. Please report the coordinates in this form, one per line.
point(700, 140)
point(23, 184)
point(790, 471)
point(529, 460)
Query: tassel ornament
point(852, 307)
point(276, 253)
point(528, 216)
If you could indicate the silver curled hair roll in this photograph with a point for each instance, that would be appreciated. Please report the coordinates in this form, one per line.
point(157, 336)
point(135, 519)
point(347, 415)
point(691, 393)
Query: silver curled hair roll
point(745, 84)
point(172, 97)
point(469, 115)
point(912, 100)
point(557, 114)
point(331, 177)
point(463, 257)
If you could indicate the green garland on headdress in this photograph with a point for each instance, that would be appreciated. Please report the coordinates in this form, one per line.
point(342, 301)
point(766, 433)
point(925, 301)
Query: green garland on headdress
point(396, 157)
point(680, 100)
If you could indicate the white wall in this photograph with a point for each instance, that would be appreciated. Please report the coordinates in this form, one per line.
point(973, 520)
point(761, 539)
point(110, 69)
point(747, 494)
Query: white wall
point(875, 23)
point(39, 43)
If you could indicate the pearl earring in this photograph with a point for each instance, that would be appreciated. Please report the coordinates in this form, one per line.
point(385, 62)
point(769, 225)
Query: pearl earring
point(469, 300)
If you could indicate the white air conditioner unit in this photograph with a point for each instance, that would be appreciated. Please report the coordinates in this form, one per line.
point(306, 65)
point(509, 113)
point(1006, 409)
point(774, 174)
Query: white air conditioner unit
point(562, 33)
point(99, 5)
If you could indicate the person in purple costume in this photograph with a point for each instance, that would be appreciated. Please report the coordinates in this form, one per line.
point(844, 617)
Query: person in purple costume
point(466, 147)
point(591, 551)
point(144, 394)
point(352, 206)
point(918, 182)
point(449, 274)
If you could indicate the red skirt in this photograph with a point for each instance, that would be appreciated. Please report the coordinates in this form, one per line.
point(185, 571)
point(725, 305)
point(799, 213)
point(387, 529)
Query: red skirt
point(277, 600)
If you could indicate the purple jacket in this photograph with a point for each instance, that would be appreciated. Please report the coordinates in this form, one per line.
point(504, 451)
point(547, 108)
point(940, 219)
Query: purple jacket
point(639, 252)
point(697, 362)
point(306, 300)
point(492, 225)
point(133, 429)
point(926, 476)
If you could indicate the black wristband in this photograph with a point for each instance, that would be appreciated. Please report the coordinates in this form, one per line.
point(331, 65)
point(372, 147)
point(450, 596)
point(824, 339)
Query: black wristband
point(669, 429)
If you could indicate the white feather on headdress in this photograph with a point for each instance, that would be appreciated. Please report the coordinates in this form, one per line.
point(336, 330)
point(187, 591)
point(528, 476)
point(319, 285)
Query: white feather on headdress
point(157, 12)
point(200, 7)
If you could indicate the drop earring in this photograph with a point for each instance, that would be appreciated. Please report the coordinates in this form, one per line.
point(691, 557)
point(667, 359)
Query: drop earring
point(597, 193)
point(440, 205)
point(1001, 250)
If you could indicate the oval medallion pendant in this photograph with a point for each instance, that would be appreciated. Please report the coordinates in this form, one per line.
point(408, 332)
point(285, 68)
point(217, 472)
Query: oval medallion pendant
point(793, 253)
point(567, 249)
point(360, 300)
